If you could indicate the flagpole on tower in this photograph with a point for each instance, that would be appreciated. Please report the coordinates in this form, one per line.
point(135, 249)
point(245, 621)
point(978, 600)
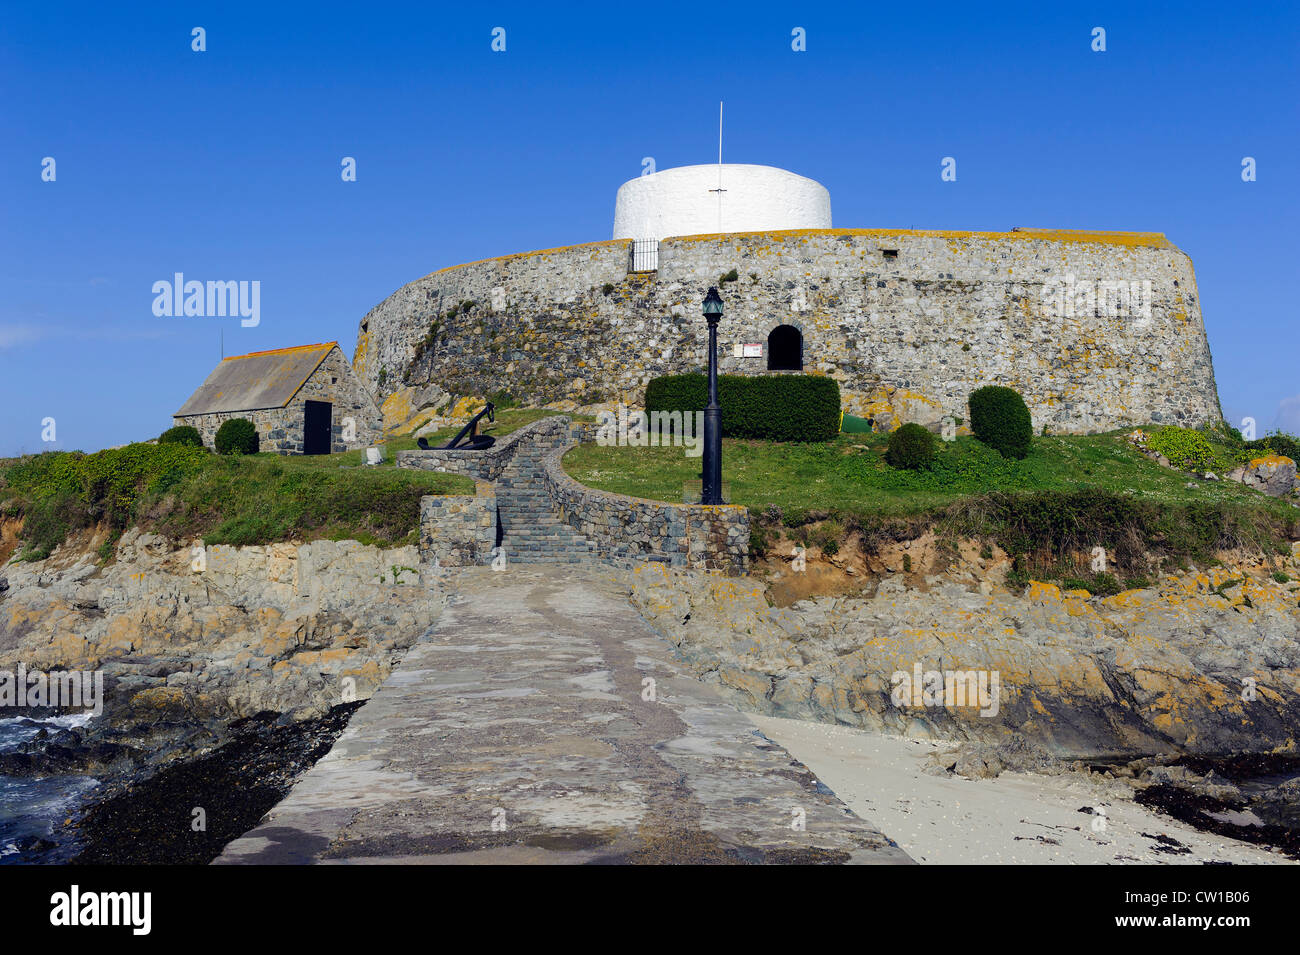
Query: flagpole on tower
point(719, 139)
point(719, 190)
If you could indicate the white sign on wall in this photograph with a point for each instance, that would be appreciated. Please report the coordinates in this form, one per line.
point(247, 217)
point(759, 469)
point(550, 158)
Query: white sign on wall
point(752, 351)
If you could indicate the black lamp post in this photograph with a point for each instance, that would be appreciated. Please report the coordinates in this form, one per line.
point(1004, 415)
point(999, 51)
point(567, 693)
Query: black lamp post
point(712, 473)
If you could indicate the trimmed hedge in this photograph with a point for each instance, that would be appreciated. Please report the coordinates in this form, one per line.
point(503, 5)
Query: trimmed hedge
point(1000, 418)
point(911, 447)
point(182, 434)
point(237, 436)
point(767, 407)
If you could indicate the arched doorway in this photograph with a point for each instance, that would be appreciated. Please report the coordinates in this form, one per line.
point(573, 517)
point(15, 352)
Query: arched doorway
point(785, 349)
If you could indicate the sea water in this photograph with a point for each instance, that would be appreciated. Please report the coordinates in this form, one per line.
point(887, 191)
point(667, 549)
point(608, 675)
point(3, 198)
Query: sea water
point(34, 807)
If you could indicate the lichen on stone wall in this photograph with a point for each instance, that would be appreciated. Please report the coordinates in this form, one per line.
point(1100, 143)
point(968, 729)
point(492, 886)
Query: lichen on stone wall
point(1096, 330)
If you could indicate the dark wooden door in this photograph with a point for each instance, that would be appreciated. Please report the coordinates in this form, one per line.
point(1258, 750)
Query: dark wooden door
point(316, 427)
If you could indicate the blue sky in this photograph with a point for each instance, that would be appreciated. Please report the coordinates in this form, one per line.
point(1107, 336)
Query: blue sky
point(225, 164)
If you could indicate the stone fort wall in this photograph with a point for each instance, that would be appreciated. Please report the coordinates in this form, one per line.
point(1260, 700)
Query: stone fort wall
point(1096, 330)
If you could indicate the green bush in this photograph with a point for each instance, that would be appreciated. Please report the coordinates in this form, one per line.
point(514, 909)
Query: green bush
point(182, 434)
point(1184, 447)
point(237, 436)
point(767, 407)
point(1224, 433)
point(1000, 418)
point(911, 448)
point(62, 491)
point(1283, 444)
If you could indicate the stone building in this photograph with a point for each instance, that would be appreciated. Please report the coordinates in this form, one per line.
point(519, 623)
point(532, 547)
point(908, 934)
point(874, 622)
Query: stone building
point(1097, 330)
point(303, 400)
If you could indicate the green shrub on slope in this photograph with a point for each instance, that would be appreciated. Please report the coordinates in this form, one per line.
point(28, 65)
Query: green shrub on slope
point(1000, 418)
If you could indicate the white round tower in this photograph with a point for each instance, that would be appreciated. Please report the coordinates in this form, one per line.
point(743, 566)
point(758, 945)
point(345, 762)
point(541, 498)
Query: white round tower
point(732, 197)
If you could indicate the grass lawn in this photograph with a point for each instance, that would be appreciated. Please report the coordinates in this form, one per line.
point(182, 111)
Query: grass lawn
point(850, 474)
point(1068, 496)
point(254, 499)
point(270, 497)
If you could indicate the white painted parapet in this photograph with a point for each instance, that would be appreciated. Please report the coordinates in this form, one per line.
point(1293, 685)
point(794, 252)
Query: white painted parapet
point(685, 201)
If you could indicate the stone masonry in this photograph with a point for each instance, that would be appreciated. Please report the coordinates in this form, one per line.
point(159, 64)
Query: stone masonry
point(698, 536)
point(281, 429)
point(459, 530)
point(1096, 330)
point(527, 529)
point(544, 516)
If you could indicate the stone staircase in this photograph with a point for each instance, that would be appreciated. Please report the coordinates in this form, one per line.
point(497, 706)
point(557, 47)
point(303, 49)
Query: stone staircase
point(531, 533)
point(534, 513)
point(527, 527)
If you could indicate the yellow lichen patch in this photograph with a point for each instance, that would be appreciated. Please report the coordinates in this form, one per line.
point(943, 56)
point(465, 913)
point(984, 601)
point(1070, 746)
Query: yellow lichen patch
point(359, 357)
point(397, 409)
point(466, 408)
point(1125, 599)
point(1155, 240)
point(893, 407)
point(1041, 592)
point(1076, 603)
point(159, 697)
point(1270, 460)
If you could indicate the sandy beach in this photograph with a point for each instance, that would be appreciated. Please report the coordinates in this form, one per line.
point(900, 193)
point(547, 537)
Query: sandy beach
point(1016, 818)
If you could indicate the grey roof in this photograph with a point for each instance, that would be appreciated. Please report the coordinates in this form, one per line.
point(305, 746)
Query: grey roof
point(263, 379)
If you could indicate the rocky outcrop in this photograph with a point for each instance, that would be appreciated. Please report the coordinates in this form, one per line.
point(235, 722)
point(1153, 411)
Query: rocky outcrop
point(426, 409)
point(226, 671)
point(221, 632)
point(1272, 474)
point(1205, 662)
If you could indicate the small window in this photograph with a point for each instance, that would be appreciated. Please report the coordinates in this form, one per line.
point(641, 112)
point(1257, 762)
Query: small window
point(889, 253)
point(334, 381)
point(365, 325)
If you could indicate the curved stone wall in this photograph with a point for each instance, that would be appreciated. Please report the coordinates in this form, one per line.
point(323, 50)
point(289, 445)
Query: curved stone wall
point(685, 201)
point(699, 536)
point(1097, 330)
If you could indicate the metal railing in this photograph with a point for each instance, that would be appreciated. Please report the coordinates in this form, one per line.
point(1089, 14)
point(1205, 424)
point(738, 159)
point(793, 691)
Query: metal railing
point(643, 255)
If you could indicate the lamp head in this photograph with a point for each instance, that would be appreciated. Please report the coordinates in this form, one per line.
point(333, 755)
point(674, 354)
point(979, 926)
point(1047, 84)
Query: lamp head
point(713, 304)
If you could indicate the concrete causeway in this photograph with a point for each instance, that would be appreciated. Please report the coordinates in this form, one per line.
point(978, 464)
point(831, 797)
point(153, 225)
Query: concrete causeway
point(523, 729)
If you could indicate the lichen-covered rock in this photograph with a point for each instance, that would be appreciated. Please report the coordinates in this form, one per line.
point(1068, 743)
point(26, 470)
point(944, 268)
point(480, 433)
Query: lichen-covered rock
point(225, 631)
point(1205, 662)
point(410, 408)
point(1272, 474)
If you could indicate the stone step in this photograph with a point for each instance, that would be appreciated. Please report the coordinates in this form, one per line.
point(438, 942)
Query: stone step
point(531, 532)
